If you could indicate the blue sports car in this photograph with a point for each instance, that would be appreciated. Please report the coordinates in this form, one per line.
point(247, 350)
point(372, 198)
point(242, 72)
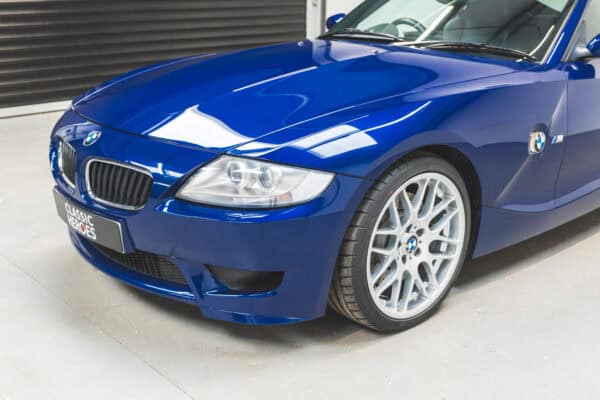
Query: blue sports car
point(358, 170)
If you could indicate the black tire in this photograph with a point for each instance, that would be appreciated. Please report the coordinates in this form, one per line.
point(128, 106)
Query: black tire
point(350, 295)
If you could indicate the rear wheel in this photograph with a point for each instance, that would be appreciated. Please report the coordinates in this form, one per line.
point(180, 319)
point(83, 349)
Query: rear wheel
point(405, 247)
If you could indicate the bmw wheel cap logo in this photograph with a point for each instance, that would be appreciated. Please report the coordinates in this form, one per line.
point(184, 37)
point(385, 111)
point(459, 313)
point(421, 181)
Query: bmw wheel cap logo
point(412, 244)
point(537, 142)
point(92, 138)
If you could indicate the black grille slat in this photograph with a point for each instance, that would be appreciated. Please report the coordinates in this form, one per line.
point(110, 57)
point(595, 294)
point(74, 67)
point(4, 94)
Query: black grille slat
point(123, 185)
point(119, 185)
point(110, 188)
point(68, 161)
point(152, 265)
point(124, 194)
point(145, 191)
point(135, 194)
point(102, 189)
point(112, 183)
point(97, 177)
point(134, 188)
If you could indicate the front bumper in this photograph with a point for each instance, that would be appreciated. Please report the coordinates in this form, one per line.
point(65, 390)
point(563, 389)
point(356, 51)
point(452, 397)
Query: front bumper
point(302, 241)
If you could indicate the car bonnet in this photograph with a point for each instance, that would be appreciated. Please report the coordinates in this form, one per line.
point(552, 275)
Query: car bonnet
point(219, 103)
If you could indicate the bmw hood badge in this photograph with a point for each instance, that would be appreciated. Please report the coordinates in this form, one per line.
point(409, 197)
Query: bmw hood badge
point(92, 138)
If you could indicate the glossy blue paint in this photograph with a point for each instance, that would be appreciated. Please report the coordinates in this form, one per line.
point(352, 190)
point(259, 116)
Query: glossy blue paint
point(351, 108)
point(594, 46)
point(334, 20)
point(579, 173)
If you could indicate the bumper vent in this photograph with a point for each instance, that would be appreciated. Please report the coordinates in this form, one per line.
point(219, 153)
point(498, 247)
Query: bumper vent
point(146, 264)
point(242, 281)
point(118, 185)
point(67, 158)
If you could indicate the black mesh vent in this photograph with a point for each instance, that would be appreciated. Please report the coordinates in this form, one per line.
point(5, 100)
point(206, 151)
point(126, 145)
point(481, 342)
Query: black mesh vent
point(146, 264)
point(67, 162)
point(118, 185)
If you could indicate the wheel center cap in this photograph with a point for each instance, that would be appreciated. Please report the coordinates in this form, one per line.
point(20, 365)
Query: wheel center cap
point(412, 245)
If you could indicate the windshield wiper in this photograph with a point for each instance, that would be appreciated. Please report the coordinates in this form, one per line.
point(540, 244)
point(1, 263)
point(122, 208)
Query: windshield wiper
point(477, 47)
point(360, 34)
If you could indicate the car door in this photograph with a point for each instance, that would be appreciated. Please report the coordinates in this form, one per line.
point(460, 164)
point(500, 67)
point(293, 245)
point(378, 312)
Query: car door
point(580, 172)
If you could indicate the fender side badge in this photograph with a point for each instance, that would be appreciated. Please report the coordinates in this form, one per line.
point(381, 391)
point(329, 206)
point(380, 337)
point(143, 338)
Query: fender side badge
point(537, 142)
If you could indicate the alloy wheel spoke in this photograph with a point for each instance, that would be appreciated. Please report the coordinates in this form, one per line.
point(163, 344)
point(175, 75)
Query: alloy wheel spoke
point(440, 257)
point(406, 206)
point(441, 207)
point(444, 239)
point(395, 215)
point(382, 268)
point(385, 285)
point(395, 296)
point(417, 201)
point(444, 221)
point(421, 286)
point(430, 200)
point(382, 252)
point(432, 271)
point(387, 232)
point(408, 285)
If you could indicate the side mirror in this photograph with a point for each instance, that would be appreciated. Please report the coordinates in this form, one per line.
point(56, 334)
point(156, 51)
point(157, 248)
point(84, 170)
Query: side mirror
point(591, 50)
point(594, 46)
point(334, 20)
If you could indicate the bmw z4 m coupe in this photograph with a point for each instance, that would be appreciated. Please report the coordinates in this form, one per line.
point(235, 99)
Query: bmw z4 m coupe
point(357, 170)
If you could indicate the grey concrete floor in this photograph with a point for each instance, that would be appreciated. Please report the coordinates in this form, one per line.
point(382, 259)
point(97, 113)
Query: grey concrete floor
point(521, 324)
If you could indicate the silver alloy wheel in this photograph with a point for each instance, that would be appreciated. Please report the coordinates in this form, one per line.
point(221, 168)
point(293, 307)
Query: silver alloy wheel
point(416, 246)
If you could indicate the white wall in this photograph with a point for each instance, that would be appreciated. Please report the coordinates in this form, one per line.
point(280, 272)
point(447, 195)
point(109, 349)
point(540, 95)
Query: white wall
point(318, 10)
point(314, 17)
point(340, 6)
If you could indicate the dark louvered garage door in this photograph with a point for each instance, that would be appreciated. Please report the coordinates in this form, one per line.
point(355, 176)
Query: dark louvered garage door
point(54, 49)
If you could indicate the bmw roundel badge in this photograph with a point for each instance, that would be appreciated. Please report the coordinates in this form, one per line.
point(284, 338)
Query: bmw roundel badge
point(92, 138)
point(537, 142)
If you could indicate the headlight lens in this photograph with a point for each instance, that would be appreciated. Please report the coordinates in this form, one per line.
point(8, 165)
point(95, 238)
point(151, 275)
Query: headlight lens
point(243, 183)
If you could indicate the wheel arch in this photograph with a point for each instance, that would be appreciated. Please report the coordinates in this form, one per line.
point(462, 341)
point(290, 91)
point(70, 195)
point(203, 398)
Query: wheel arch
point(468, 172)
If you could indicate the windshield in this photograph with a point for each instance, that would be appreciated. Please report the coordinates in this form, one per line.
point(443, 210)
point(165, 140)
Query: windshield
point(527, 26)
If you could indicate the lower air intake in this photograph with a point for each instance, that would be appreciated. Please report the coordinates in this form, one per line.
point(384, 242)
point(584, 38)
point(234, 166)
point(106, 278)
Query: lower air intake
point(246, 281)
point(151, 265)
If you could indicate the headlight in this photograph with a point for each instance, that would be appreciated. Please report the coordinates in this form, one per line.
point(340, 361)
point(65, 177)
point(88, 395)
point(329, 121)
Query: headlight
point(243, 183)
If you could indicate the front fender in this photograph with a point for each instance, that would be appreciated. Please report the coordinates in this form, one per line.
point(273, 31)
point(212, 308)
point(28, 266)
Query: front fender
point(361, 141)
point(489, 122)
